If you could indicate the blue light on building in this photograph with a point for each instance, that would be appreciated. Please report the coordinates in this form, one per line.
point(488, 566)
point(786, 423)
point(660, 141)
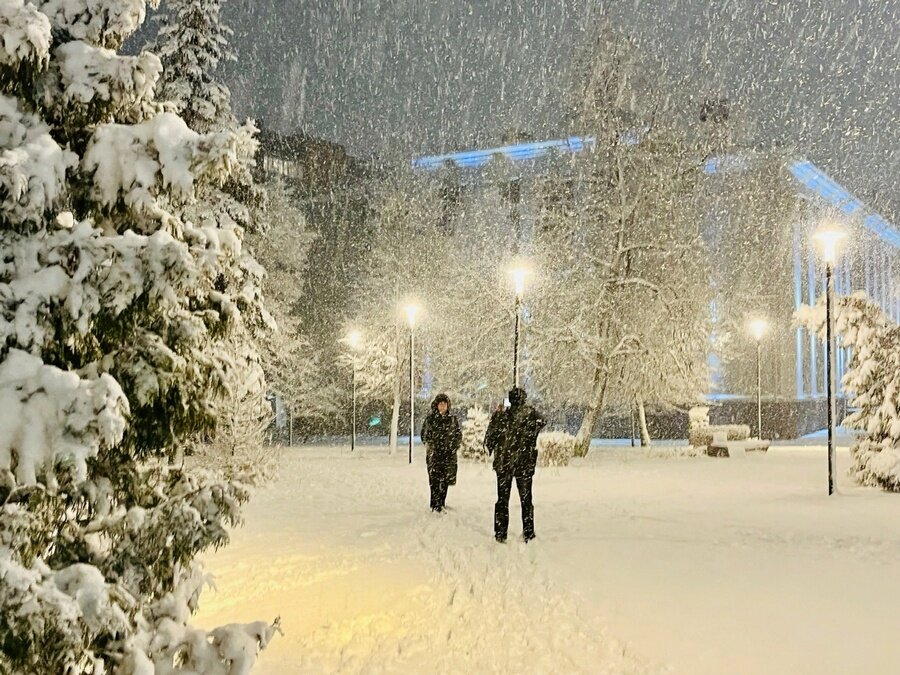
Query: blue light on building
point(803, 170)
point(518, 152)
point(837, 196)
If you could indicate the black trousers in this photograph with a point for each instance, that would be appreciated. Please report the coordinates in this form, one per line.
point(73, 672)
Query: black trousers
point(501, 508)
point(437, 480)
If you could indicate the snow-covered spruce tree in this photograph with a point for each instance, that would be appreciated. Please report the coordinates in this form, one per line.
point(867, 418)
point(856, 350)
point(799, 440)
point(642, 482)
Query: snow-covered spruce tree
point(872, 380)
point(474, 428)
point(192, 43)
point(123, 327)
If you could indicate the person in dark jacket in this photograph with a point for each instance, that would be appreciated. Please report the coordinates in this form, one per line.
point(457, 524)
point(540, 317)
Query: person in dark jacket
point(512, 439)
point(442, 437)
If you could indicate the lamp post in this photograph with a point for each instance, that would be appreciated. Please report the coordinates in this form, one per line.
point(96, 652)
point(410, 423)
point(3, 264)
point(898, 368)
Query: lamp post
point(354, 339)
point(411, 311)
point(828, 238)
point(519, 274)
point(759, 328)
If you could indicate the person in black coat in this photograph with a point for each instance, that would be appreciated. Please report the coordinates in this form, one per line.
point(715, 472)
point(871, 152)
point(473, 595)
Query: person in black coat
point(512, 439)
point(442, 437)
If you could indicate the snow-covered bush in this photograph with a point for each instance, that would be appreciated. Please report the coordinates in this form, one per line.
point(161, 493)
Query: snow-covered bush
point(555, 448)
point(124, 330)
point(676, 452)
point(872, 380)
point(473, 430)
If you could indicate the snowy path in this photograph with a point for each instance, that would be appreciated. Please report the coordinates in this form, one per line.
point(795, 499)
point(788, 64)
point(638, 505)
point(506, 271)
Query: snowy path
point(709, 566)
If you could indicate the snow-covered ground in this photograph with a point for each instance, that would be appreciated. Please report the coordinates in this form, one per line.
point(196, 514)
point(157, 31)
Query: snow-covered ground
point(642, 564)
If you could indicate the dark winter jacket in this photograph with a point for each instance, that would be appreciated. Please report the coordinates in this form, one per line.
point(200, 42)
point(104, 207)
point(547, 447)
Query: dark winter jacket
point(493, 437)
point(442, 437)
point(512, 437)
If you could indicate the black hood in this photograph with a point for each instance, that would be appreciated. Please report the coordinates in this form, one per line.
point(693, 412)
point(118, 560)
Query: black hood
point(517, 396)
point(438, 399)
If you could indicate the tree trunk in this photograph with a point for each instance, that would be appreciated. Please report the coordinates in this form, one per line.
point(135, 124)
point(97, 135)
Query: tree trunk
point(642, 417)
point(395, 410)
point(631, 417)
point(598, 394)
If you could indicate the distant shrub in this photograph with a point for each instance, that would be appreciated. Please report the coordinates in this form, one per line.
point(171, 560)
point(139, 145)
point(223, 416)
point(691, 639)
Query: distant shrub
point(555, 448)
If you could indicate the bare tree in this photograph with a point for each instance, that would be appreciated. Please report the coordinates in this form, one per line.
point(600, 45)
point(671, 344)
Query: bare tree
point(622, 312)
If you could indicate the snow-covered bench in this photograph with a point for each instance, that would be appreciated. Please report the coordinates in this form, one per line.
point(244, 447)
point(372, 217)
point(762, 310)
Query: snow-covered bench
point(721, 446)
point(701, 436)
point(721, 440)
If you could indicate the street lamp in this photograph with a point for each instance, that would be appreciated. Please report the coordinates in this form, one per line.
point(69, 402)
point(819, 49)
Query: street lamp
point(829, 238)
point(759, 327)
point(354, 339)
point(411, 311)
point(519, 274)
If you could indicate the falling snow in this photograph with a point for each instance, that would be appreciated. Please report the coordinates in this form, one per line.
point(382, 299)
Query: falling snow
point(249, 245)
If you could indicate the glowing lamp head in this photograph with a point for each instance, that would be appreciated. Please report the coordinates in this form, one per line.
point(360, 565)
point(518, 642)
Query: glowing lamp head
point(828, 239)
point(759, 327)
point(519, 274)
point(411, 311)
point(354, 339)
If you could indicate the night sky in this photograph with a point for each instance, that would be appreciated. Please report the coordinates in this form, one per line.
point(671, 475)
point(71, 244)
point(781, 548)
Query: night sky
point(398, 78)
